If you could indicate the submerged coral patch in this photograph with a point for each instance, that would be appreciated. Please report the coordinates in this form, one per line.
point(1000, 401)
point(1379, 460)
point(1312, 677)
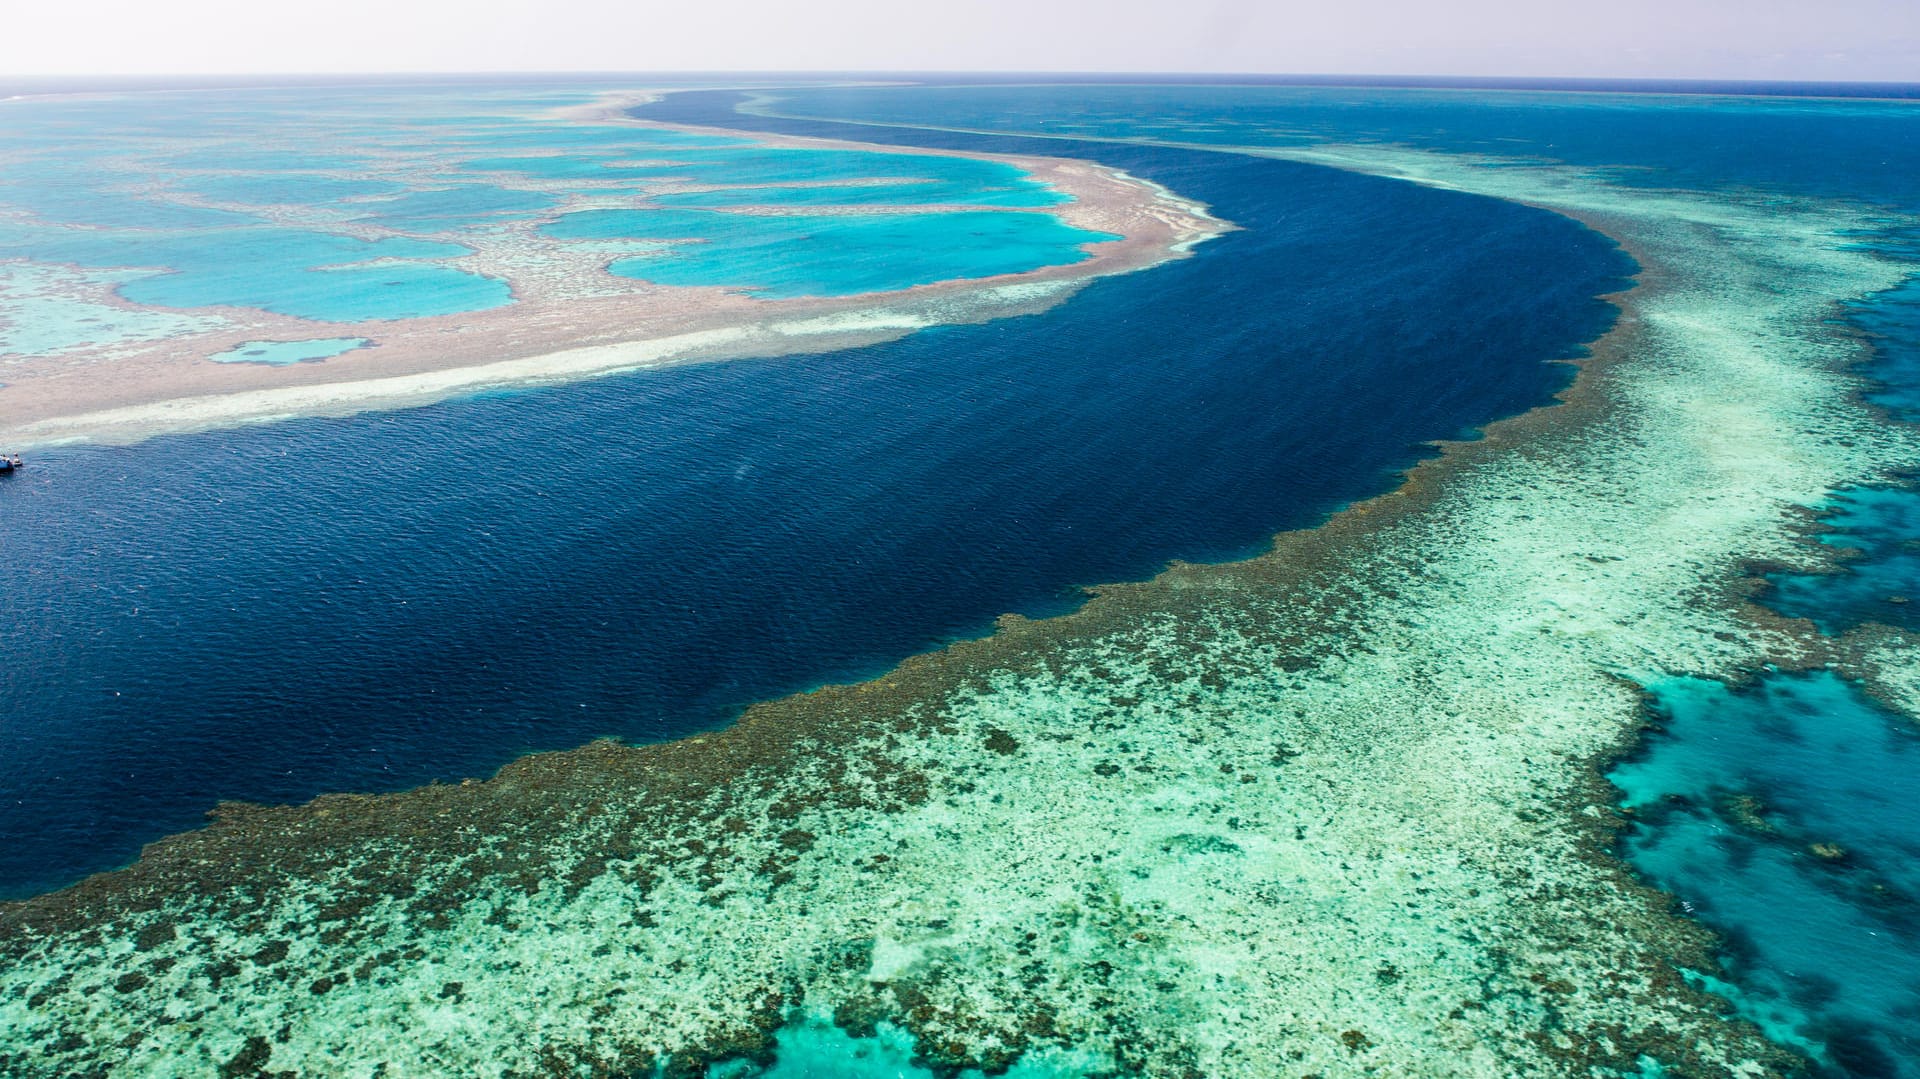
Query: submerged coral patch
point(281, 353)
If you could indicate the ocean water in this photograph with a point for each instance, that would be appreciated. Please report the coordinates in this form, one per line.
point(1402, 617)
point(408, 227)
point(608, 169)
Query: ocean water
point(640, 556)
point(445, 588)
point(1831, 147)
point(1782, 815)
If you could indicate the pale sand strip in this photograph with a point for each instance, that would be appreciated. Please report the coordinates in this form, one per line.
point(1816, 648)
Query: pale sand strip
point(774, 337)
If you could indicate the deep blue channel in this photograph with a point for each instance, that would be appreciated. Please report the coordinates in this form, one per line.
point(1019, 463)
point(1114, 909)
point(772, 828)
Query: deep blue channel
point(374, 602)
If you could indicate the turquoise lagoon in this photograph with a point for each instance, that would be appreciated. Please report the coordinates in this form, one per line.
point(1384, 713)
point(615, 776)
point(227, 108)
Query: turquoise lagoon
point(783, 255)
point(290, 188)
point(306, 274)
point(358, 204)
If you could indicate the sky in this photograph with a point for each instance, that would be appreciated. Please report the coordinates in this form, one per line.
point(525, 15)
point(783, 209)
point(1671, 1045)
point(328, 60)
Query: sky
point(1837, 40)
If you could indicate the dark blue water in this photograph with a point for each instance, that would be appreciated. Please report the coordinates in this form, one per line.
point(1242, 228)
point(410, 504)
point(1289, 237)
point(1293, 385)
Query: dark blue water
point(374, 602)
point(1852, 148)
point(1782, 814)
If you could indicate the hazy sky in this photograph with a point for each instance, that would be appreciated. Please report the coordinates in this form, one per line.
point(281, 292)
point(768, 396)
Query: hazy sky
point(1875, 40)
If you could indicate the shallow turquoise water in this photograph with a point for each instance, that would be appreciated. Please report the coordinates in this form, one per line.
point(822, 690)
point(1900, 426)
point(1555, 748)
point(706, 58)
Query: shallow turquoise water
point(1879, 583)
point(946, 179)
point(889, 194)
point(781, 256)
point(603, 139)
point(1787, 816)
point(283, 188)
point(67, 197)
point(452, 209)
point(596, 166)
point(112, 183)
point(228, 158)
point(282, 353)
point(313, 275)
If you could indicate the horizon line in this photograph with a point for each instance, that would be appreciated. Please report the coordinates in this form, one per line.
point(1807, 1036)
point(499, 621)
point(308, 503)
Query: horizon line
point(24, 87)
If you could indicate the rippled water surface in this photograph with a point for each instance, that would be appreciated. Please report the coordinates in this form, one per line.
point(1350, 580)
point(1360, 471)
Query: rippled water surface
point(379, 601)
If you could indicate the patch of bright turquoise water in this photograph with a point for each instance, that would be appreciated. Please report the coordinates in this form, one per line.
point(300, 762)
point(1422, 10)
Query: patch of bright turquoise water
point(59, 200)
point(329, 293)
point(452, 208)
point(574, 166)
point(637, 142)
point(1787, 816)
point(227, 158)
point(782, 255)
point(889, 194)
point(933, 179)
point(92, 179)
point(1880, 584)
point(282, 353)
point(314, 275)
point(272, 188)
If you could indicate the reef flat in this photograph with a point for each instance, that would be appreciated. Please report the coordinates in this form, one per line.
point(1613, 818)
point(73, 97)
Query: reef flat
point(463, 271)
point(1334, 810)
